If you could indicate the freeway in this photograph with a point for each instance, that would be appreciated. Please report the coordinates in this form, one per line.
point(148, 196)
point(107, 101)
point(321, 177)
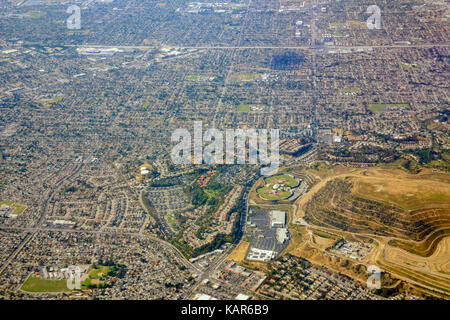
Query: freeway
point(208, 273)
point(212, 269)
point(239, 47)
point(266, 47)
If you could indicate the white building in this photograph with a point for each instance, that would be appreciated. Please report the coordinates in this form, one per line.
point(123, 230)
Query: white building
point(277, 219)
point(261, 255)
point(202, 296)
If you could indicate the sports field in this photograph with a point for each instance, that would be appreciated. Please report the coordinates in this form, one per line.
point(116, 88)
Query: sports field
point(36, 284)
point(283, 179)
point(379, 107)
point(277, 187)
point(18, 208)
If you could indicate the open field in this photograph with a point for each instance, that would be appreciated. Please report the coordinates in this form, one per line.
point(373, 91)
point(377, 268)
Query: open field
point(99, 272)
point(36, 14)
point(47, 103)
point(18, 208)
point(378, 107)
point(239, 253)
point(193, 78)
point(352, 90)
point(277, 187)
point(200, 78)
point(36, 284)
point(84, 32)
point(97, 276)
point(407, 66)
point(337, 24)
point(145, 105)
point(429, 274)
point(244, 76)
point(244, 107)
point(264, 193)
point(282, 179)
point(403, 190)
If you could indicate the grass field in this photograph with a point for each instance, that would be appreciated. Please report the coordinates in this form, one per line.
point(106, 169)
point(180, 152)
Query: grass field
point(18, 208)
point(36, 284)
point(282, 179)
point(239, 253)
point(337, 24)
point(35, 14)
point(72, 32)
point(249, 76)
point(263, 192)
point(47, 103)
point(99, 272)
point(268, 192)
point(145, 105)
point(406, 193)
point(407, 66)
point(379, 107)
point(237, 77)
point(193, 78)
point(97, 276)
point(200, 78)
point(353, 90)
point(244, 107)
point(171, 218)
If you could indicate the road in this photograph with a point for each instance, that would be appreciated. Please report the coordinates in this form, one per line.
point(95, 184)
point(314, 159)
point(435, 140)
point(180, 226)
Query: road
point(40, 221)
point(165, 244)
point(207, 274)
point(210, 272)
point(311, 47)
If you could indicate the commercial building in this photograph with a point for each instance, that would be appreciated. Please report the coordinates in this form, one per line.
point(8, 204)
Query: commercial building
point(277, 219)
